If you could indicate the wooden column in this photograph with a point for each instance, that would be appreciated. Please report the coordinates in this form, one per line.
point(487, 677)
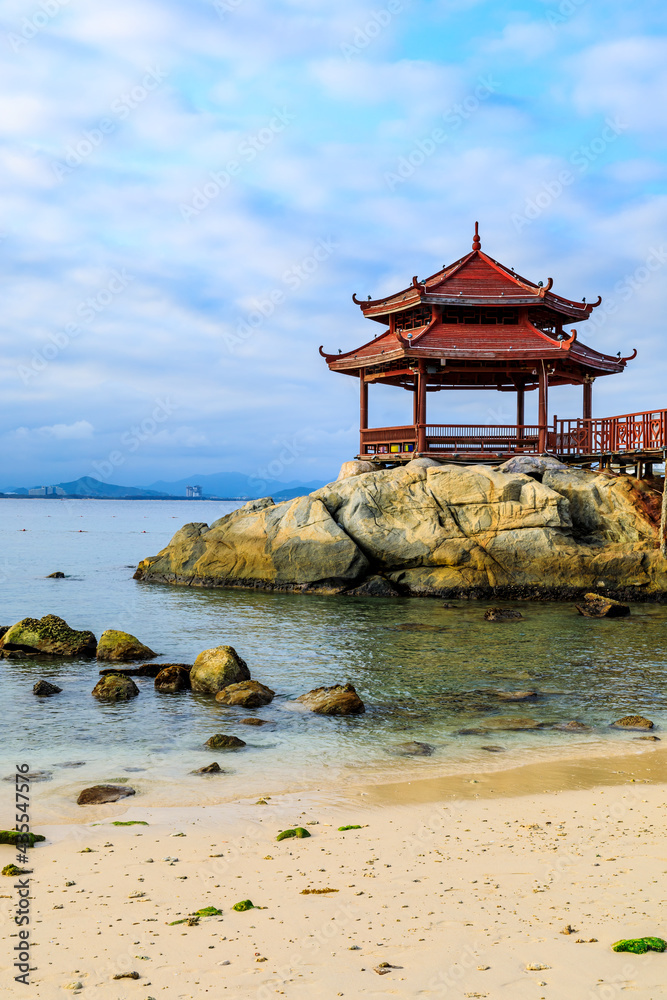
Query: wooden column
point(415, 402)
point(543, 407)
point(363, 411)
point(588, 399)
point(421, 408)
point(520, 406)
point(663, 518)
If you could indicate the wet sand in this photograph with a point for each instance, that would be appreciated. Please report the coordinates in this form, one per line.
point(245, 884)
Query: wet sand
point(459, 883)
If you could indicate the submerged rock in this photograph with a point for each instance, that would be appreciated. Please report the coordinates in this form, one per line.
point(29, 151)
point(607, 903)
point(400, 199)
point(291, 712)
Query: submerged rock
point(340, 699)
point(215, 669)
point(254, 722)
point(44, 689)
point(115, 687)
point(145, 670)
point(100, 794)
point(517, 695)
point(222, 742)
point(502, 615)
point(248, 694)
point(213, 768)
point(633, 722)
point(413, 749)
point(172, 678)
point(121, 647)
point(598, 606)
point(51, 635)
point(572, 727)
point(56, 576)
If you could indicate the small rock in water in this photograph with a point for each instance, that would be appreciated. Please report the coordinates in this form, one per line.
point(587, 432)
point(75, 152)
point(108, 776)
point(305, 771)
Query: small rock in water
point(100, 794)
point(174, 677)
point(502, 615)
point(115, 687)
point(213, 768)
point(517, 695)
point(56, 576)
point(31, 776)
point(44, 689)
point(493, 749)
point(414, 749)
point(339, 699)
point(254, 722)
point(222, 742)
point(598, 606)
point(652, 739)
point(215, 669)
point(632, 722)
point(116, 646)
point(248, 694)
point(572, 727)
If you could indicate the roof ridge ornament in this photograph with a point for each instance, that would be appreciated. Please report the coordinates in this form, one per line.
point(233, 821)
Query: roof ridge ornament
point(477, 243)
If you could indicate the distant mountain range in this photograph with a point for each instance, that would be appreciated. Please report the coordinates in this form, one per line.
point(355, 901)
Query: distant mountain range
point(220, 486)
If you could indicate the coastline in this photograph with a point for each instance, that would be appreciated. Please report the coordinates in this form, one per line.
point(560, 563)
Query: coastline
point(459, 886)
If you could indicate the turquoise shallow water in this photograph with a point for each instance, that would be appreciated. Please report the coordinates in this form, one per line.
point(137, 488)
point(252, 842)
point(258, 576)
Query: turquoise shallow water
point(424, 671)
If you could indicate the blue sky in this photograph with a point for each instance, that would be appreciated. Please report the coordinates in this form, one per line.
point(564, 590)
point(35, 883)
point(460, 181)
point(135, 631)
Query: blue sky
point(192, 191)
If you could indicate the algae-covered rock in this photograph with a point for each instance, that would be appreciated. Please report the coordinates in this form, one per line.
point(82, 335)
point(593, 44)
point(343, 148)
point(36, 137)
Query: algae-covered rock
point(115, 687)
point(173, 678)
point(12, 871)
point(639, 946)
point(213, 768)
point(121, 647)
point(502, 615)
point(51, 635)
point(350, 826)
point(16, 839)
point(245, 904)
point(633, 722)
point(44, 689)
point(101, 794)
point(248, 694)
point(222, 742)
point(340, 699)
point(413, 749)
point(298, 831)
point(55, 576)
point(598, 606)
point(216, 668)
point(254, 722)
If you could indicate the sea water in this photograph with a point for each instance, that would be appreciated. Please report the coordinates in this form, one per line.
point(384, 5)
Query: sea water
point(426, 672)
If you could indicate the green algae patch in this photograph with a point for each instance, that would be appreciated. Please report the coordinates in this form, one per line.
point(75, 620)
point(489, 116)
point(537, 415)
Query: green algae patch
point(350, 826)
point(639, 946)
point(316, 892)
point(208, 911)
point(245, 904)
point(17, 839)
point(12, 870)
point(129, 822)
point(298, 831)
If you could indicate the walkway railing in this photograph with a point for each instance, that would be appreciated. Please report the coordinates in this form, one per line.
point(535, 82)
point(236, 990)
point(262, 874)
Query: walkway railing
point(645, 431)
point(452, 439)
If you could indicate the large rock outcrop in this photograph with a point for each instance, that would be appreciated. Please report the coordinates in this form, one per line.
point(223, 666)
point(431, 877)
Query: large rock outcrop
point(51, 635)
point(531, 527)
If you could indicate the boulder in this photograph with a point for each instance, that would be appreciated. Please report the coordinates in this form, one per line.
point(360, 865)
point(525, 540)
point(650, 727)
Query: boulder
point(115, 687)
point(633, 722)
point(502, 615)
point(340, 699)
point(44, 689)
point(531, 528)
point(597, 606)
point(51, 635)
point(98, 795)
point(249, 694)
point(356, 467)
point(121, 647)
point(216, 668)
point(173, 678)
point(222, 742)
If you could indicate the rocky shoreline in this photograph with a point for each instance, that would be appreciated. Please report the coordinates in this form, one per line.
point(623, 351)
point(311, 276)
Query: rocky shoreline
point(530, 529)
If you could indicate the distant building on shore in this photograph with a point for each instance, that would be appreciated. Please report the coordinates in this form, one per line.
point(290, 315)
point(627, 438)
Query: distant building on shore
point(193, 492)
point(47, 491)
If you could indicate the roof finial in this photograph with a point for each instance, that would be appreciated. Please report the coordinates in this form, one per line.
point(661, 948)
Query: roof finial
point(476, 243)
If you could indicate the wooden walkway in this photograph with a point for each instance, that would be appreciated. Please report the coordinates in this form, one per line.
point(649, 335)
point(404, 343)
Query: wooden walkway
point(628, 439)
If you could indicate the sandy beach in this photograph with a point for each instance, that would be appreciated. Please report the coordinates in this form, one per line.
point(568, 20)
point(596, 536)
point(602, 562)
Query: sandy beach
point(461, 886)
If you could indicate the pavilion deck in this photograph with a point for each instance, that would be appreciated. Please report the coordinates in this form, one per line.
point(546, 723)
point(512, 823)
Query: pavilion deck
point(630, 438)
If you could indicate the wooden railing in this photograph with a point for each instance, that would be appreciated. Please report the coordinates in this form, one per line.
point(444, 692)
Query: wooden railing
point(645, 431)
point(451, 438)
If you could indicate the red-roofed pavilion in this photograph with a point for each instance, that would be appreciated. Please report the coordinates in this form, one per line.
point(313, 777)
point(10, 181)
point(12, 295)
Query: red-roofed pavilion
point(473, 325)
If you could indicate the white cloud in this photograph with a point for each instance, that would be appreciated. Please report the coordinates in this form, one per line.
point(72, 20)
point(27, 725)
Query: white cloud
point(625, 77)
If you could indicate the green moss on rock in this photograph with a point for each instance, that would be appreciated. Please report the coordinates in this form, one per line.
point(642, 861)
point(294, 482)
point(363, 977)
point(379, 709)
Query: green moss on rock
point(16, 839)
point(245, 904)
point(639, 946)
point(115, 687)
point(51, 635)
point(121, 647)
point(298, 831)
point(12, 870)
